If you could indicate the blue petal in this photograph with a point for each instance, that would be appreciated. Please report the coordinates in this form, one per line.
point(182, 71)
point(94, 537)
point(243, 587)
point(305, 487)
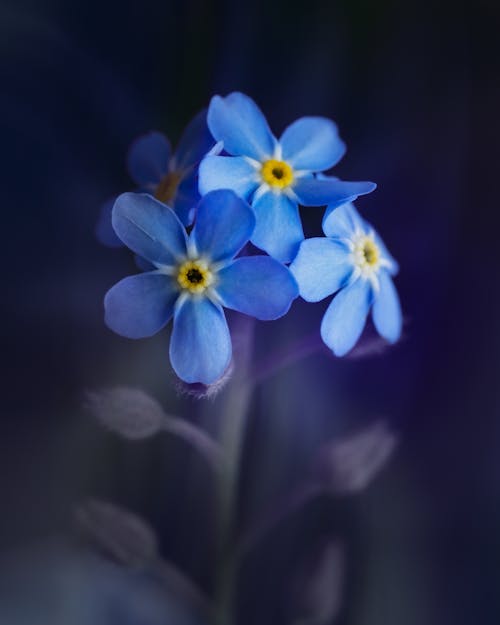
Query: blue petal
point(187, 197)
point(312, 143)
point(149, 228)
point(258, 286)
point(224, 224)
point(227, 172)
point(386, 312)
point(342, 221)
point(148, 159)
point(104, 229)
point(384, 252)
point(200, 347)
point(239, 123)
point(194, 143)
point(139, 306)
point(143, 264)
point(318, 192)
point(345, 318)
point(321, 267)
point(279, 229)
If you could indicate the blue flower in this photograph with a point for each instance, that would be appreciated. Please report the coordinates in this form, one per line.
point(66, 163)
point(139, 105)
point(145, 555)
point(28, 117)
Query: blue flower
point(353, 260)
point(170, 177)
point(194, 277)
point(275, 176)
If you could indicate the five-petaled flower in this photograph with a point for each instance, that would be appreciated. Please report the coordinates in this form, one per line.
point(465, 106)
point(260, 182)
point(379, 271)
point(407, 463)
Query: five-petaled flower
point(171, 177)
point(351, 259)
point(275, 176)
point(194, 277)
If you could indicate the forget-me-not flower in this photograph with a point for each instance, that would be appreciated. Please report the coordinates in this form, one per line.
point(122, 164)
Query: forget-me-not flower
point(194, 277)
point(171, 177)
point(353, 260)
point(275, 176)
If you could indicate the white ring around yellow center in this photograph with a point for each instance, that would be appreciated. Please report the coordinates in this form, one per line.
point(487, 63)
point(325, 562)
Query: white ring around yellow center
point(277, 174)
point(366, 254)
point(194, 276)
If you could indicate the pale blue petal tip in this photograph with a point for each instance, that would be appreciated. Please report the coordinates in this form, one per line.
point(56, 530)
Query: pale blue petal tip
point(200, 345)
point(345, 317)
point(239, 123)
point(312, 144)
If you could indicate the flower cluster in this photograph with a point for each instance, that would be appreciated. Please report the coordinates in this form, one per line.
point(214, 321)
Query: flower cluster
point(251, 185)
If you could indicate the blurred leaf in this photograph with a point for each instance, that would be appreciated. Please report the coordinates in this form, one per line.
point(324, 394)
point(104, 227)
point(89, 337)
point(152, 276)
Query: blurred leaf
point(127, 411)
point(122, 535)
point(134, 414)
point(129, 541)
point(342, 467)
point(350, 464)
point(318, 584)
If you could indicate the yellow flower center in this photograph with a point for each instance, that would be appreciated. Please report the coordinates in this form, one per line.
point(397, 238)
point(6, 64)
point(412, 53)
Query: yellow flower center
point(370, 252)
point(366, 253)
point(194, 276)
point(166, 190)
point(277, 173)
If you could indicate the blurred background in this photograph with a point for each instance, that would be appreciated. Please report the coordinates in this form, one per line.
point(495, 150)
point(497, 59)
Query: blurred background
point(413, 87)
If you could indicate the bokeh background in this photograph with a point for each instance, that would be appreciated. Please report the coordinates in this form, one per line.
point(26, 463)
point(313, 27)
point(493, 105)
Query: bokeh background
point(413, 87)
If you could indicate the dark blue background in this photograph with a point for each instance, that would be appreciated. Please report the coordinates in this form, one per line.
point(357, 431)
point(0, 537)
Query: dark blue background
point(413, 87)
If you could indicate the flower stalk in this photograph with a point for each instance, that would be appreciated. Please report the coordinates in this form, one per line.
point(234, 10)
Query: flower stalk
point(232, 437)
